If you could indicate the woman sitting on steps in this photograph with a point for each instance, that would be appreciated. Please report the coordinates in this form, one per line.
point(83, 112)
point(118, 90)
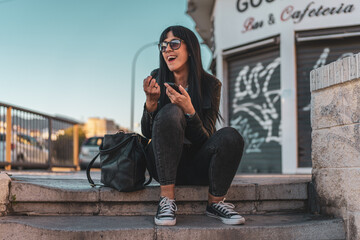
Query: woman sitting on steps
point(185, 147)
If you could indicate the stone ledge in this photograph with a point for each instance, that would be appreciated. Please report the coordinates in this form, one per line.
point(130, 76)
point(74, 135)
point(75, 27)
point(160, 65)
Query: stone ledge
point(250, 193)
point(242, 189)
point(338, 72)
point(335, 118)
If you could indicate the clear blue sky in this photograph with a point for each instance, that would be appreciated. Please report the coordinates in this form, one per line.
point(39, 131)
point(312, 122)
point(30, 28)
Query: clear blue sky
point(73, 57)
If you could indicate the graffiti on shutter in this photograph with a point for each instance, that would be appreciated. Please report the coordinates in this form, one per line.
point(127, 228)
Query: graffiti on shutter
point(261, 109)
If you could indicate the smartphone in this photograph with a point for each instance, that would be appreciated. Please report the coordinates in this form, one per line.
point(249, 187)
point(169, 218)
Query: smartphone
point(174, 86)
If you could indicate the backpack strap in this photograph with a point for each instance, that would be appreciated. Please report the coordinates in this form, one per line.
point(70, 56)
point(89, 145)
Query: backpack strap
point(88, 171)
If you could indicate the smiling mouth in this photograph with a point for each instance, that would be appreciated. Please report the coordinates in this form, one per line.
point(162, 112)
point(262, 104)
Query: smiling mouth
point(171, 58)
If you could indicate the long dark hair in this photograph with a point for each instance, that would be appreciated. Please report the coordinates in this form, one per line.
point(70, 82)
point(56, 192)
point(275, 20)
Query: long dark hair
point(197, 87)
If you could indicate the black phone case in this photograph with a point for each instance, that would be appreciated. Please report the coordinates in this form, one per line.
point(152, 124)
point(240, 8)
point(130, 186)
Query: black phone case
point(174, 86)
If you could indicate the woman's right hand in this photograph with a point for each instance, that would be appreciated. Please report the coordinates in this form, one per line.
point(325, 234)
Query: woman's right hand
point(152, 92)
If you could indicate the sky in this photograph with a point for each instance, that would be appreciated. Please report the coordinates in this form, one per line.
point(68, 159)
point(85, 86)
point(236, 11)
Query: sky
point(73, 58)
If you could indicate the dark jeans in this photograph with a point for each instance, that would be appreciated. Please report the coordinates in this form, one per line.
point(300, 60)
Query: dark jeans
point(173, 162)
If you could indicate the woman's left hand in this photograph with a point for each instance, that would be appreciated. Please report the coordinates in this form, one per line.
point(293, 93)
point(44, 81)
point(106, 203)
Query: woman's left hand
point(182, 100)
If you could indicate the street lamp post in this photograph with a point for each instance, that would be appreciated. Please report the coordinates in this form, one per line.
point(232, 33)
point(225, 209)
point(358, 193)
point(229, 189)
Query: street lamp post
point(133, 82)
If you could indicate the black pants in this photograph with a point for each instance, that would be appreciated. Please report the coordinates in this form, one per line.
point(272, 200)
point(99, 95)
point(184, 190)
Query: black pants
point(173, 162)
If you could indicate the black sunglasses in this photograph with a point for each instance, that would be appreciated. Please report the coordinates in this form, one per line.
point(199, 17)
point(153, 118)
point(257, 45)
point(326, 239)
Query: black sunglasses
point(174, 45)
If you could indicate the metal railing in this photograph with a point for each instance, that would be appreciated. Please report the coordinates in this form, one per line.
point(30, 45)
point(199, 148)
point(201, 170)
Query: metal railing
point(30, 139)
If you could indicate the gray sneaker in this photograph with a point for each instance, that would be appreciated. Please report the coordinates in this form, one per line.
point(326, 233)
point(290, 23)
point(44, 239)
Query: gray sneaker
point(165, 215)
point(225, 212)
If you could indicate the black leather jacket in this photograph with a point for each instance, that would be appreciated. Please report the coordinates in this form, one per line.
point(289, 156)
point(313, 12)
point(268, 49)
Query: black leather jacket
point(198, 129)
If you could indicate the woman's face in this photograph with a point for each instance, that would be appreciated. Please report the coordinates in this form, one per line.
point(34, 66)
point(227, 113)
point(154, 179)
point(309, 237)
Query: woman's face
point(176, 60)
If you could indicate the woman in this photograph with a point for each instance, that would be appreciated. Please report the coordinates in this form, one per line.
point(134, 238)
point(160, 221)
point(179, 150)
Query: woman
point(185, 148)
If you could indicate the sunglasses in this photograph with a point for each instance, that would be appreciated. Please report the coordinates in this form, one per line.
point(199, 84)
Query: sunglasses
point(174, 45)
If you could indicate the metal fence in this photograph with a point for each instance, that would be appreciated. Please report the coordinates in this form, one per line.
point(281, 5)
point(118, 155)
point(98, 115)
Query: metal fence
point(31, 139)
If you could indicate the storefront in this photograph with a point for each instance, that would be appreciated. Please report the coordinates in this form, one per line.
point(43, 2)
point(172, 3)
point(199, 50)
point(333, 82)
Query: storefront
point(263, 53)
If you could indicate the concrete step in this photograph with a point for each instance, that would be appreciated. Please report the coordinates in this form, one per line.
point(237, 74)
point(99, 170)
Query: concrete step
point(268, 226)
point(61, 194)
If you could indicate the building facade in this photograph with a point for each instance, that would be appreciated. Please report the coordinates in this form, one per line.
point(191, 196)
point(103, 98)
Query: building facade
point(263, 52)
point(99, 127)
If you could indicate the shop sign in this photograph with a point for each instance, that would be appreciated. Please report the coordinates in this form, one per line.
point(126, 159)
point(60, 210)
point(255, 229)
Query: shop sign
point(290, 13)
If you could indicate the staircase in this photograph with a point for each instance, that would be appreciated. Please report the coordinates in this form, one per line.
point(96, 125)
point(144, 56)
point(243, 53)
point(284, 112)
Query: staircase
point(64, 206)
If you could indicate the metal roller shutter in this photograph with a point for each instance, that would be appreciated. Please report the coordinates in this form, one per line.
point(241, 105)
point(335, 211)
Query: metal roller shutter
point(311, 55)
point(254, 107)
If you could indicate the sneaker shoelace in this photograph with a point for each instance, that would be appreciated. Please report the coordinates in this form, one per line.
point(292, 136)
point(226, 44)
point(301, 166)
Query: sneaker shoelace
point(167, 207)
point(226, 208)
